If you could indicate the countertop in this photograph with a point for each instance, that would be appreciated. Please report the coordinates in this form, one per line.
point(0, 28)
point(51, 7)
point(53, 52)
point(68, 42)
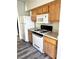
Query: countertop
point(52, 34)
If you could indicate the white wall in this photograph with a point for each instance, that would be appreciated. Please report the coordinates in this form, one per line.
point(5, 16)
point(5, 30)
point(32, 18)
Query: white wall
point(21, 12)
point(25, 6)
point(21, 8)
point(30, 4)
point(55, 26)
point(21, 27)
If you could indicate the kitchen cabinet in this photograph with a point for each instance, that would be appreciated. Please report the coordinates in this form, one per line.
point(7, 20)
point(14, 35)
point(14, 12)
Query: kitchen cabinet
point(57, 10)
point(42, 9)
point(39, 10)
point(54, 11)
point(30, 36)
point(50, 46)
point(52, 8)
point(51, 11)
point(45, 8)
point(34, 13)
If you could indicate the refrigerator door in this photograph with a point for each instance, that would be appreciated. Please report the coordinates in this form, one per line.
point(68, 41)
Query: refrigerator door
point(27, 25)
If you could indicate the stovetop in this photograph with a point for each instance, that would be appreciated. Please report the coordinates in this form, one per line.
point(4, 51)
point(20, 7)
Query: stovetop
point(41, 30)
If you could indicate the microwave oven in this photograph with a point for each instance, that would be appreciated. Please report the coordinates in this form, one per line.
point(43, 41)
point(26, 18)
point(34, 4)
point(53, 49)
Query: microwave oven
point(43, 18)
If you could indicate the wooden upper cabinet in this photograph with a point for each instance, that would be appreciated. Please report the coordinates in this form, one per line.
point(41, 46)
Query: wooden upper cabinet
point(54, 11)
point(51, 12)
point(39, 10)
point(34, 13)
point(57, 9)
point(42, 9)
point(45, 8)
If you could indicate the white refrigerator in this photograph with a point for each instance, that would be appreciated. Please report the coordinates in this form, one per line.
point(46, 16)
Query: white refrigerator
point(27, 25)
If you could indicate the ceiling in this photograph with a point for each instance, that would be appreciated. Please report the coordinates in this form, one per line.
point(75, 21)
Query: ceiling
point(25, 0)
point(22, 0)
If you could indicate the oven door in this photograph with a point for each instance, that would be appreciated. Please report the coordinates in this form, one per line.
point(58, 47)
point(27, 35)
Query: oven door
point(38, 42)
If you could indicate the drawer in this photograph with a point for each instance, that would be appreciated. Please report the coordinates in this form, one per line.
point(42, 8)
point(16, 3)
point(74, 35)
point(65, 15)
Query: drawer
point(50, 40)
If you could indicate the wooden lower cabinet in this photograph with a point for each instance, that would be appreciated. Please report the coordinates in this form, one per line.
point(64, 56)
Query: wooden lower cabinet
point(52, 51)
point(50, 47)
point(30, 36)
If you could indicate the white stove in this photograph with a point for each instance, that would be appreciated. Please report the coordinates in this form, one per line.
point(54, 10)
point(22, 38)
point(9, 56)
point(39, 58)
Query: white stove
point(41, 31)
point(38, 37)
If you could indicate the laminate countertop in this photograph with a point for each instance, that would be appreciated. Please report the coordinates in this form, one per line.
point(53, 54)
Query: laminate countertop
point(52, 34)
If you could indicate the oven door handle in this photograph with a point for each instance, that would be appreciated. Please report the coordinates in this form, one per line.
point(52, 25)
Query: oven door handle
point(38, 35)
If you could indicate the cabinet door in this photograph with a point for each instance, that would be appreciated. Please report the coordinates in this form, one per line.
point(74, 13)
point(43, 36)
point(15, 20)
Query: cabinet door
point(57, 10)
point(39, 10)
point(52, 50)
point(30, 36)
point(50, 47)
point(45, 9)
point(45, 46)
point(34, 13)
point(52, 12)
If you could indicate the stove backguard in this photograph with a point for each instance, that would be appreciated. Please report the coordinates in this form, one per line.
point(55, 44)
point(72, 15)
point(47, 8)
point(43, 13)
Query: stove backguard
point(47, 27)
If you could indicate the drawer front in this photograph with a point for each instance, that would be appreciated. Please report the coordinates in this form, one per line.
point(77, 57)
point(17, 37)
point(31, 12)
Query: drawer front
point(50, 40)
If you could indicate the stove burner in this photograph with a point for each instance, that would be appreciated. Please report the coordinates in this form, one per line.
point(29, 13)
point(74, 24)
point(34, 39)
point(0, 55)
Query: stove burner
point(37, 29)
point(43, 31)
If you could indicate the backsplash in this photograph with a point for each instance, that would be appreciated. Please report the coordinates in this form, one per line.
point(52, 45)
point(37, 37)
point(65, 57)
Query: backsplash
point(55, 26)
point(38, 25)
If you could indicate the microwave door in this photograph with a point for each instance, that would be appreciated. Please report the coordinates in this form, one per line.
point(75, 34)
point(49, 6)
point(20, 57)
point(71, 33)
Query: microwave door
point(45, 18)
point(42, 18)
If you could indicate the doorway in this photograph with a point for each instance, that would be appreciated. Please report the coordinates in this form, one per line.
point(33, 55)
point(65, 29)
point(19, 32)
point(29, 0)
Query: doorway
point(17, 28)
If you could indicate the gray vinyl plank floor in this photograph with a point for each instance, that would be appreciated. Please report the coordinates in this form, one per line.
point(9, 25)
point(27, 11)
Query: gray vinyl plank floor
point(26, 51)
